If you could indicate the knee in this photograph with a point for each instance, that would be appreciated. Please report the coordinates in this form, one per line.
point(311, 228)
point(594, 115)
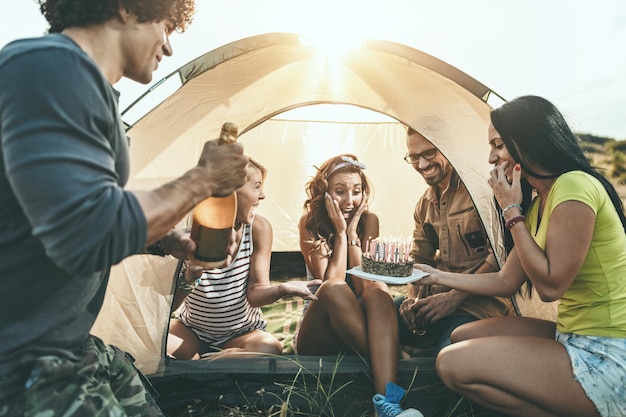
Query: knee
point(457, 335)
point(463, 332)
point(258, 341)
point(378, 294)
point(333, 290)
point(446, 367)
point(271, 346)
point(182, 342)
point(378, 301)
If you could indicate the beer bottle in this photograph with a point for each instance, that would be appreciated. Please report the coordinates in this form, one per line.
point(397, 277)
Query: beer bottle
point(213, 219)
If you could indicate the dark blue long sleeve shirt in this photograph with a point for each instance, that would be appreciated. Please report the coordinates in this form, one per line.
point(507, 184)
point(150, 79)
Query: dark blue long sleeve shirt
point(65, 218)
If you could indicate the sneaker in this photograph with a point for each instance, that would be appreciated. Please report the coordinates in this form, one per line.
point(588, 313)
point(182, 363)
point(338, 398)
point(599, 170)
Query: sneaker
point(389, 406)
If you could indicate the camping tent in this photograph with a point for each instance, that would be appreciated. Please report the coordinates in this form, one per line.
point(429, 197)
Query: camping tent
point(252, 82)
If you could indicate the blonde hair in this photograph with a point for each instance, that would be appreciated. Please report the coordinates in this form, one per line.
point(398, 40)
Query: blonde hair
point(253, 165)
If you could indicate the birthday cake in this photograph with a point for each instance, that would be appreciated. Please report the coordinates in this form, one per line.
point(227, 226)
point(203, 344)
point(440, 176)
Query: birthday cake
point(388, 258)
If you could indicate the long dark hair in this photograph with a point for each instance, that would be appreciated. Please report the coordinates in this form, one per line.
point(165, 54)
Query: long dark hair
point(537, 136)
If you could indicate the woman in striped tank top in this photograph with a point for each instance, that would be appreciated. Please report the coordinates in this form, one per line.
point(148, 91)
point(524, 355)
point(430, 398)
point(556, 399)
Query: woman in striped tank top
point(221, 311)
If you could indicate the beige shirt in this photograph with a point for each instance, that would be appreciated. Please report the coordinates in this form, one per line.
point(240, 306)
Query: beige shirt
point(449, 235)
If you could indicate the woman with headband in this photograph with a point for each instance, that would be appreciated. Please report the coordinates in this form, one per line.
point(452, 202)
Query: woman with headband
point(351, 315)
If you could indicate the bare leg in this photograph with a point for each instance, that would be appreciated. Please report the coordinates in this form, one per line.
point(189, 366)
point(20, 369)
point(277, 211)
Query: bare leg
point(333, 323)
point(383, 336)
point(505, 326)
point(255, 341)
point(248, 345)
point(337, 322)
point(515, 375)
point(182, 342)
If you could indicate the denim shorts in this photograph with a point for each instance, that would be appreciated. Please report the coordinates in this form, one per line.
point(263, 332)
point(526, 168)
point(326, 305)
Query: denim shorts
point(599, 365)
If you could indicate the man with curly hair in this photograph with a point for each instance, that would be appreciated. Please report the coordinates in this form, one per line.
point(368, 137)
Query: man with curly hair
point(65, 216)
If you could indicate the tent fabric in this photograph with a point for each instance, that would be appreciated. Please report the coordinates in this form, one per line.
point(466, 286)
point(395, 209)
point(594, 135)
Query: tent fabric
point(251, 82)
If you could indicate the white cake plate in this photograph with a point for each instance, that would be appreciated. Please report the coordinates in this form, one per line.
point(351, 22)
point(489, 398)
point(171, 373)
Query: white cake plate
point(415, 276)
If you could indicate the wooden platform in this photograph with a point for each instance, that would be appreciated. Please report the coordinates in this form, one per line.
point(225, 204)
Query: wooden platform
point(299, 386)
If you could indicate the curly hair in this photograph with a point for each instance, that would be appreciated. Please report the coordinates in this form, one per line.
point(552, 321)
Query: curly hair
point(62, 14)
point(317, 222)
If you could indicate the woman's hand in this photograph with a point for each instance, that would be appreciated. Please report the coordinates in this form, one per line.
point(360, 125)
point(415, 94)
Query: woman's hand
point(300, 288)
point(335, 214)
point(354, 221)
point(506, 192)
point(429, 279)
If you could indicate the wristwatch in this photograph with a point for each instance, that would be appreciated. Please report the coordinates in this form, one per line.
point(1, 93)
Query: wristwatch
point(156, 249)
point(355, 242)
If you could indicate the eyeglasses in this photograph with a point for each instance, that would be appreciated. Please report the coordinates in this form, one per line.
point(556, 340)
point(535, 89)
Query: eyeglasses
point(414, 158)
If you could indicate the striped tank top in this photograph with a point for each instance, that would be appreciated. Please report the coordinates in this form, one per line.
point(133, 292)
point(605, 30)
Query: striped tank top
point(218, 309)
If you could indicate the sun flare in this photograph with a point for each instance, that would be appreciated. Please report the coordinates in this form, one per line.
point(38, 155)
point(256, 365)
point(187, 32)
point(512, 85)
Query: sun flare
point(335, 27)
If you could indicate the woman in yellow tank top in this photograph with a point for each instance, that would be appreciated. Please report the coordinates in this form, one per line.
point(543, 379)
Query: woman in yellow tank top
point(570, 246)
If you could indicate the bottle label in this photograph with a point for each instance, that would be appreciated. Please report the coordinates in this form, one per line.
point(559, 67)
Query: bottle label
point(212, 244)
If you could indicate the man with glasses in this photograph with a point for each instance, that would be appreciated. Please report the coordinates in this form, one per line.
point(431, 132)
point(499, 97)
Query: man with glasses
point(448, 235)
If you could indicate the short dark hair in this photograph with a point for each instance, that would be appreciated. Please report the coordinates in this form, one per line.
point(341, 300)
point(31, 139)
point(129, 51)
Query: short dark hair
point(62, 14)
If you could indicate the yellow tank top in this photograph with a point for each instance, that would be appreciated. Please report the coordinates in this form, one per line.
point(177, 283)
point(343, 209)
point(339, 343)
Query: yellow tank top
point(595, 304)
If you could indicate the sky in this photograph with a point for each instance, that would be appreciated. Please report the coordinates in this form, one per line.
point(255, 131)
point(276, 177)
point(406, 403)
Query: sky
point(571, 52)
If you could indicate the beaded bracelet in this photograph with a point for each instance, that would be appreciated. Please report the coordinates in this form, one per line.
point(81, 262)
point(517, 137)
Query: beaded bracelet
point(182, 284)
point(514, 220)
point(185, 287)
point(509, 207)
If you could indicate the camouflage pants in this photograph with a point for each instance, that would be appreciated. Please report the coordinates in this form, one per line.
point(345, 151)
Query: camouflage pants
point(104, 382)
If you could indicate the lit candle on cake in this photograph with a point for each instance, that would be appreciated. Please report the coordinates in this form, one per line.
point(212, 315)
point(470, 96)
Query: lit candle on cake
point(387, 256)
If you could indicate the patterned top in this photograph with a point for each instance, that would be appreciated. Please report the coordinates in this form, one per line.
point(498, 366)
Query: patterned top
point(218, 309)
